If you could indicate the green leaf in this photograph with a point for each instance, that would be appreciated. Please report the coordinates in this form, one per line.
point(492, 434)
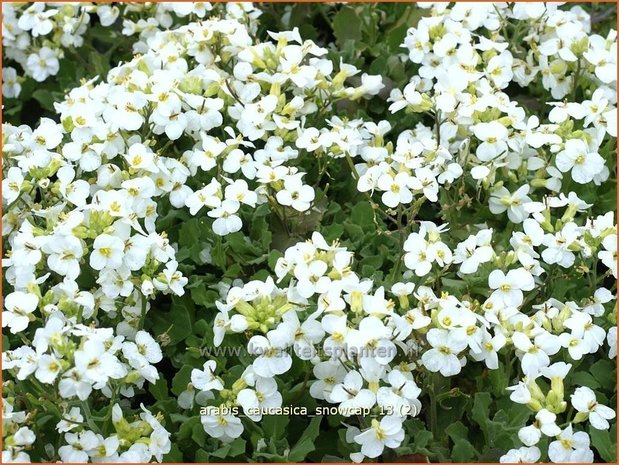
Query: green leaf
point(189, 232)
point(231, 449)
point(203, 296)
point(347, 25)
point(375, 261)
point(274, 425)
point(362, 214)
point(305, 445)
point(274, 255)
point(605, 372)
point(176, 323)
point(186, 429)
point(218, 253)
point(421, 440)
point(332, 231)
point(457, 430)
point(174, 456)
point(603, 443)
point(181, 379)
point(242, 246)
point(47, 98)
point(159, 390)
point(198, 434)
point(202, 456)
point(582, 378)
point(463, 451)
point(481, 411)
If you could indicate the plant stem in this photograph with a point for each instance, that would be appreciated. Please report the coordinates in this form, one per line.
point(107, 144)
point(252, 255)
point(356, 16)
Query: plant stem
point(437, 121)
point(89, 420)
point(142, 313)
point(433, 411)
point(353, 171)
point(576, 79)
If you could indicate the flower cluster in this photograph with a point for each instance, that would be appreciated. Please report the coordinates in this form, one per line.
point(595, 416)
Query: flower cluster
point(479, 130)
point(138, 441)
point(103, 168)
point(16, 438)
point(38, 36)
point(360, 342)
point(482, 250)
point(79, 360)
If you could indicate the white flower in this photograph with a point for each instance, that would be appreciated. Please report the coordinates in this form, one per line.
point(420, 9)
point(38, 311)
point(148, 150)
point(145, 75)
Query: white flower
point(583, 163)
point(240, 192)
point(98, 365)
point(48, 369)
point(575, 345)
point(309, 139)
point(295, 194)
point(544, 424)
point(425, 181)
point(226, 220)
point(11, 88)
point(225, 427)
point(508, 288)
point(19, 307)
point(388, 432)
point(373, 339)
point(107, 14)
point(43, 64)
point(570, 447)
point(443, 356)
point(171, 279)
point(78, 446)
point(327, 374)
point(488, 349)
point(525, 242)
point(535, 355)
point(401, 396)
point(351, 395)
point(205, 379)
point(521, 455)
point(70, 420)
point(558, 245)
point(264, 396)
point(395, 189)
point(12, 184)
point(499, 69)
point(612, 342)
point(141, 353)
point(502, 200)
point(609, 255)
point(312, 278)
point(75, 191)
point(493, 136)
point(37, 20)
point(306, 334)
point(108, 251)
point(272, 359)
point(474, 251)
point(208, 196)
point(47, 136)
point(584, 401)
point(74, 383)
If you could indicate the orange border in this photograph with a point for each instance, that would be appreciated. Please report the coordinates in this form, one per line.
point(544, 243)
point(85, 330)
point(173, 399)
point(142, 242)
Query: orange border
point(285, 1)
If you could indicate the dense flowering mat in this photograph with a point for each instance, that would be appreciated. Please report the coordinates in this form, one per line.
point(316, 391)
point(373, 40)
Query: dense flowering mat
point(224, 241)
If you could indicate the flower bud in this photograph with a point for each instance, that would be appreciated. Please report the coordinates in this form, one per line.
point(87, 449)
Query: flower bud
point(580, 417)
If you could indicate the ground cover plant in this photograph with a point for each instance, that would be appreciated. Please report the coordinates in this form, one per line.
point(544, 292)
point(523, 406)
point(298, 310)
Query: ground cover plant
point(309, 232)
